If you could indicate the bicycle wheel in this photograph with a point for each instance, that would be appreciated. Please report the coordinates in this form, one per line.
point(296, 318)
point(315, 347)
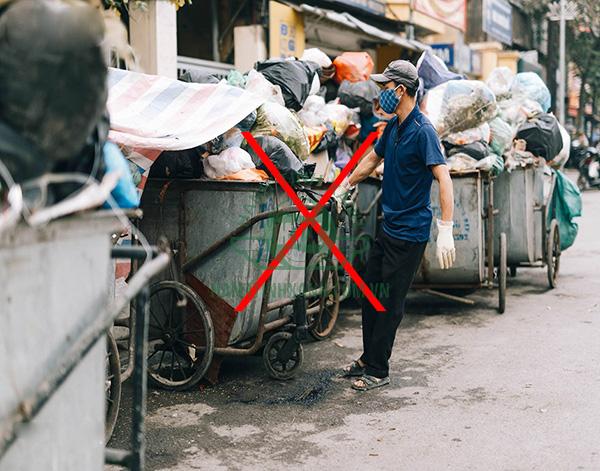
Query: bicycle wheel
point(181, 337)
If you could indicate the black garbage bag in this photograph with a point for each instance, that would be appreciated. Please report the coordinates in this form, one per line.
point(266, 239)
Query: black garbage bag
point(52, 78)
point(329, 140)
point(295, 78)
point(280, 154)
point(358, 95)
point(247, 123)
point(478, 149)
point(178, 164)
point(542, 135)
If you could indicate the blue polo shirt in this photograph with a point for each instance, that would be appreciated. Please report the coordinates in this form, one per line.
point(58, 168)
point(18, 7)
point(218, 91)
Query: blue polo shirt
point(409, 149)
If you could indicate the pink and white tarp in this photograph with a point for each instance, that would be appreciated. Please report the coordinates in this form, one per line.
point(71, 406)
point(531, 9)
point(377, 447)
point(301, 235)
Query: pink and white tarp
point(150, 114)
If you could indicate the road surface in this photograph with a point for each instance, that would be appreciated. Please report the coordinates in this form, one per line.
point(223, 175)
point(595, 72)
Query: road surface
point(470, 390)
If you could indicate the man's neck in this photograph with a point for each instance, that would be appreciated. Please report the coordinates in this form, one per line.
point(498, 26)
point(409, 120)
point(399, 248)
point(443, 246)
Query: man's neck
point(404, 109)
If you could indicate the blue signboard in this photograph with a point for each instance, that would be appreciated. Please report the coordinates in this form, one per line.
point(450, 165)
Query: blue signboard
point(445, 52)
point(372, 6)
point(497, 20)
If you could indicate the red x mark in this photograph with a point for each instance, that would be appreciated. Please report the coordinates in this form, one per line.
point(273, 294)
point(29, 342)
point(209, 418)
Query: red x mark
point(310, 220)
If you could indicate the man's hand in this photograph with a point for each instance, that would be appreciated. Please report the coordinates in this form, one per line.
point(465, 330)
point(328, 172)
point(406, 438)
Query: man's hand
point(446, 254)
point(341, 193)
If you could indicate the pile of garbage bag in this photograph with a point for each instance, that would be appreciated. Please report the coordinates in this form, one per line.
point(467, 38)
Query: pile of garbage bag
point(315, 105)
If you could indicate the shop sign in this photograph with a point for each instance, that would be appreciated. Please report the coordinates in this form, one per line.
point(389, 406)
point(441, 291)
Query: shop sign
point(445, 52)
point(497, 20)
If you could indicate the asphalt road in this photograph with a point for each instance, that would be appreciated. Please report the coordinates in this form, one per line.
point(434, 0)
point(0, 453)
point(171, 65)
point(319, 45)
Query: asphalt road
point(471, 389)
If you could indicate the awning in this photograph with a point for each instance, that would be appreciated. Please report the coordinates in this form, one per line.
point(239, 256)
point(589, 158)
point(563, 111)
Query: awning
point(348, 21)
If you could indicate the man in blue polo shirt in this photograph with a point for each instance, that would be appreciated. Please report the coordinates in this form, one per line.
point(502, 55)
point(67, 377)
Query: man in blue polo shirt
point(413, 157)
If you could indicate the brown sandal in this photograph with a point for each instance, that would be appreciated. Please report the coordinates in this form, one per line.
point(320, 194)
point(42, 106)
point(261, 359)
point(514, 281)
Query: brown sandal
point(353, 370)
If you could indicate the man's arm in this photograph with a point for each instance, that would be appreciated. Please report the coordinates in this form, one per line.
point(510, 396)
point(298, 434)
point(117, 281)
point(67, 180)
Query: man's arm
point(364, 168)
point(442, 175)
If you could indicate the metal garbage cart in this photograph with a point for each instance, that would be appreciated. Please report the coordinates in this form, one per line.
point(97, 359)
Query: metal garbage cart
point(224, 235)
point(55, 312)
point(534, 239)
point(474, 268)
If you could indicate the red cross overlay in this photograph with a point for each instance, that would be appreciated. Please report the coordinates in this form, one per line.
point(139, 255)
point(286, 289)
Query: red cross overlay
point(310, 220)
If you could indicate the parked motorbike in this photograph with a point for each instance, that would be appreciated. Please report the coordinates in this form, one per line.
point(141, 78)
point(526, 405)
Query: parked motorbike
point(577, 153)
point(589, 170)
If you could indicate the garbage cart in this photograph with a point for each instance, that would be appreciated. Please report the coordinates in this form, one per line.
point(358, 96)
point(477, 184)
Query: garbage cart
point(225, 234)
point(534, 240)
point(56, 309)
point(475, 267)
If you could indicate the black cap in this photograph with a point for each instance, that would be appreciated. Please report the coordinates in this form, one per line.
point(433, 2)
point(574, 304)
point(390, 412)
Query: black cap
point(400, 72)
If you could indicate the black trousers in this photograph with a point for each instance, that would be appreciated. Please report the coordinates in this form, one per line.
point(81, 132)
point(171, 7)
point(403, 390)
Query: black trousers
point(391, 268)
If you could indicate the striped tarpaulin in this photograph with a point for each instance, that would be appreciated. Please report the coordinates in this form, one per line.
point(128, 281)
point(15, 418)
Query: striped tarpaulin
point(150, 114)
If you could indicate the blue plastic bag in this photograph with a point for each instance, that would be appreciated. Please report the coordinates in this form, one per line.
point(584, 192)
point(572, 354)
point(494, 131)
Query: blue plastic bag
point(125, 193)
point(433, 72)
point(530, 85)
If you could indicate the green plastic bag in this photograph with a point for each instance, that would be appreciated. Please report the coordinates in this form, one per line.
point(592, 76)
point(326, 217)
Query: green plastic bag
point(566, 204)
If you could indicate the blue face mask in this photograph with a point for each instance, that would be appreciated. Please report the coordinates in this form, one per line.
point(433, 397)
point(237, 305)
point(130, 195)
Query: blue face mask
point(388, 100)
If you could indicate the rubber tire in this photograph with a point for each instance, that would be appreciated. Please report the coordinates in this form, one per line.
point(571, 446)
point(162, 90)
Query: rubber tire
point(210, 341)
point(335, 307)
point(277, 338)
point(502, 274)
point(552, 248)
point(114, 367)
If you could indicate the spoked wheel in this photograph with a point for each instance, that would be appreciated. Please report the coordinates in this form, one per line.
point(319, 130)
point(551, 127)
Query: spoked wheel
point(112, 386)
point(502, 273)
point(553, 253)
point(322, 273)
point(181, 337)
point(278, 364)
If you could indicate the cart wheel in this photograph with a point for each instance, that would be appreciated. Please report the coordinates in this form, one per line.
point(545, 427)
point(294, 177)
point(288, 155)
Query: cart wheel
point(112, 386)
point(322, 273)
point(513, 271)
point(181, 337)
point(280, 368)
point(502, 272)
point(553, 253)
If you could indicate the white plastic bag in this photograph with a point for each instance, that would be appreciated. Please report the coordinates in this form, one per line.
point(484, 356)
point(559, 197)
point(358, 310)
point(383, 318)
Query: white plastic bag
point(499, 81)
point(458, 105)
point(459, 162)
point(276, 120)
point(518, 110)
point(561, 159)
point(228, 162)
point(339, 116)
point(480, 133)
point(316, 55)
point(501, 135)
point(530, 85)
point(259, 85)
point(315, 86)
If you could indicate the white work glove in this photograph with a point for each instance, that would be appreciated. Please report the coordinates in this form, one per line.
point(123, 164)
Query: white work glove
point(341, 193)
point(446, 254)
